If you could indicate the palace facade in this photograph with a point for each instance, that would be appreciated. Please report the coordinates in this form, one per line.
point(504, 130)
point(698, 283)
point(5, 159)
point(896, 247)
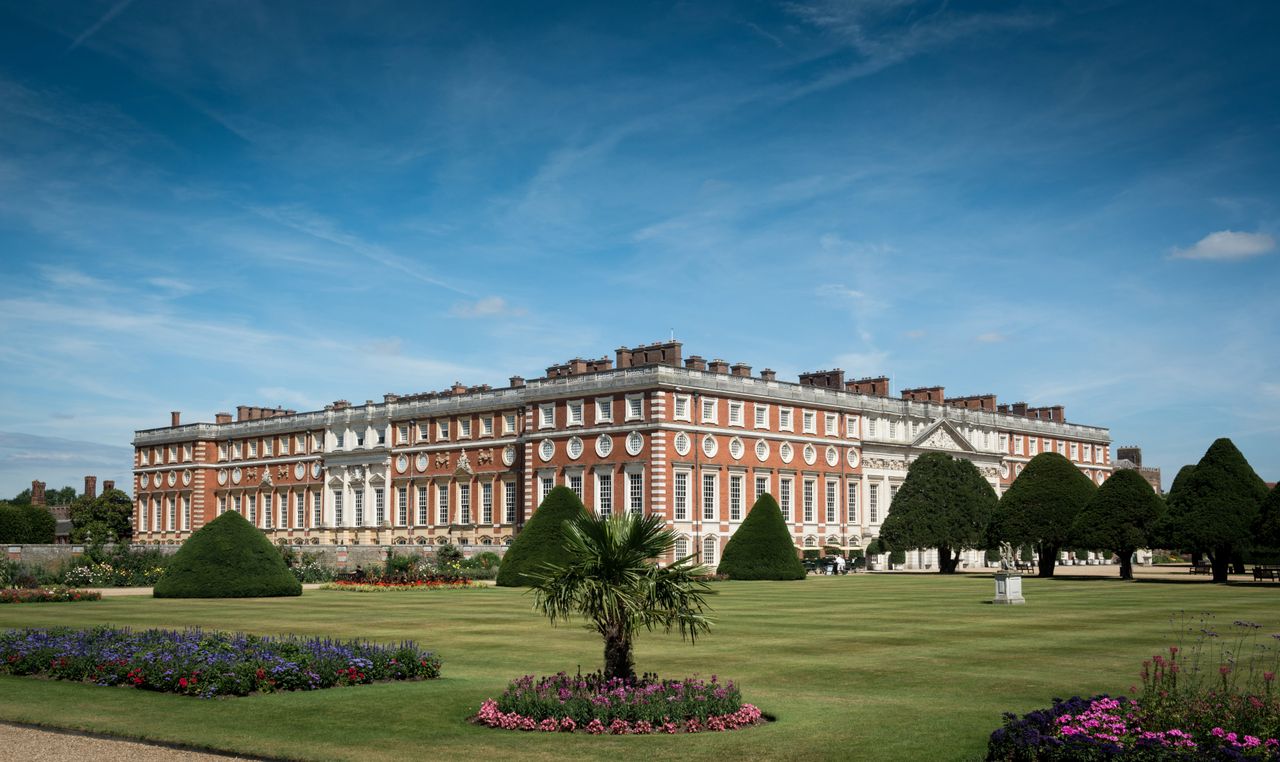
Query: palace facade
point(652, 432)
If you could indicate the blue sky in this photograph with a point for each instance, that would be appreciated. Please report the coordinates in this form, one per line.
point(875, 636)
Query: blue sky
point(211, 204)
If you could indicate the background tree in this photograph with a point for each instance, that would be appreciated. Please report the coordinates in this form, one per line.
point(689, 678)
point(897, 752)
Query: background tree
point(611, 580)
point(1040, 506)
point(1119, 517)
point(1217, 506)
point(64, 496)
point(26, 524)
point(542, 538)
point(105, 518)
point(944, 503)
point(1163, 534)
point(762, 547)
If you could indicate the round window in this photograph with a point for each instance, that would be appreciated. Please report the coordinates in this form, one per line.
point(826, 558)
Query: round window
point(299, 471)
point(421, 461)
point(709, 446)
point(833, 457)
point(235, 475)
point(785, 452)
point(509, 455)
point(735, 448)
point(546, 450)
point(402, 463)
point(762, 450)
point(604, 445)
point(222, 477)
point(810, 454)
point(682, 444)
point(853, 457)
point(574, 447)
point(635, 443)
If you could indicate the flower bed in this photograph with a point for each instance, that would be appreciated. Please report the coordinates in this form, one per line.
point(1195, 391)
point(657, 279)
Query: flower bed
point(1225, 709)
point(48, 595)
point(591, 704)
point(207, 664)
point(378, 586)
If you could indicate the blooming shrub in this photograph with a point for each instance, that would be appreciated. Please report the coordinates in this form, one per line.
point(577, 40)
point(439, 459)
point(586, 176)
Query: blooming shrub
point(48, 595)
point(120, 567)
point(382, 585)
point(207, 664)
point(1186, 709)
point(594, 705)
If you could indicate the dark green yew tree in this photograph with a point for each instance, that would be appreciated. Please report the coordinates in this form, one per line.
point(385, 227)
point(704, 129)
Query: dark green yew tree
point(944, 503)
point(1040, 506)
point(1119, 518)
point(541, 541)
point(1268, 529)
point(762, 547)
point(1215, 509)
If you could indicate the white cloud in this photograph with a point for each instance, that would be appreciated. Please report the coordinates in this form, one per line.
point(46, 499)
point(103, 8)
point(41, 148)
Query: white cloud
point(992, 337)
point(1227, 245)
point(489, 306)
point(840, 291)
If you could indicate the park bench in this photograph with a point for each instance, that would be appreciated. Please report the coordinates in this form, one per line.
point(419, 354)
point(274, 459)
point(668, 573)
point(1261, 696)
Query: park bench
point(1203, 567)
point(1271, 573)
point(1024, 566)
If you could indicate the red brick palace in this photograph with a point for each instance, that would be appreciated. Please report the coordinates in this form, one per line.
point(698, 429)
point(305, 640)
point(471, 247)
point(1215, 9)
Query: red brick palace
point(650, 432)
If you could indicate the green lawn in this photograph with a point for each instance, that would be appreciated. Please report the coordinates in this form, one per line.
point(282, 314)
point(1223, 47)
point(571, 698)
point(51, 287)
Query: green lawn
point(865, 666)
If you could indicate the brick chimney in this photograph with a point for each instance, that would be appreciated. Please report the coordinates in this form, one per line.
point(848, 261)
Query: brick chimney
point(222, 418)
point(827, 379)
point(925, 394)
point(695, 362)
point(768, 374)
point(175, 418)
point(108, 485)
point(719, 366)
point(457, 388)
point(741, 369)
point(91, 487)
point(876, 386)
point(1019, 408)
point(660, 353)
point(517, 382)
point(242, 412)
point(37, 493)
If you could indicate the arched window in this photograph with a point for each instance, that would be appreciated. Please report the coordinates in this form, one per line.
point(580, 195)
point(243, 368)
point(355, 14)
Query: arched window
point(709, 547)
point(682, 547)
point(811, 542)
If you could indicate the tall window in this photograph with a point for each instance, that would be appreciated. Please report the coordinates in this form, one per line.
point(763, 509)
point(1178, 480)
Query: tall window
point(709, 497)
point(831, 503)
point(735, 413)
point(784, 419)
point(423, 506)
point(575, 484)
point(871, 427)
point(509, 423)
point(809, 422)
point(709, 548)
point(762, 486)
point(547, 416)
point(379, 507)
point(266, 446)
point(464, 428)
point(222, 506)
point(873, 503)
point(186, 512)
point(682, 548)
point(681, 407)
point(486, 503)
point(635, 407)
point(604, 409)
point(172, 510)
point(784, 498)
point(762, 416)
point(575, 412)
point(808, 500)
point(464, 503)
point(851, 499)
point(681, 494)
point(402, 432)
point(1075, 451)
point(1033, 445)
point(142, 513)
point(337, 510)
point(235, 506)
point(300, 509)
point(735, 497)
point(546, 484)
point(316, 510)
point(357, 504)
point(442, 504)
point(486, 426)
point(604, 493)
point(708, 411)
point(893, 493)
point(508, 503)
point(402, 506)
point(253, 509)
point(635, 493)
point(832, 424)
point(893, 428)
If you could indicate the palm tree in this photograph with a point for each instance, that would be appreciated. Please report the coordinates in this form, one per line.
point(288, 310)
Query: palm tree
point(612, 582)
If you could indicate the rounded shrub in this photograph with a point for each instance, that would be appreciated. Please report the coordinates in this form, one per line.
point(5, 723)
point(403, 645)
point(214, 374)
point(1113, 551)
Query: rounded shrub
point(542, 539)
point(227, 558)
point(762, 546)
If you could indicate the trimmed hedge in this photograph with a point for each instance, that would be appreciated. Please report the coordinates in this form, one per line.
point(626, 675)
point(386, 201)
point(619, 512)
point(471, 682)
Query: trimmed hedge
point(227, 558)
point(542, 539)
point(762, 546)
point(26, 524)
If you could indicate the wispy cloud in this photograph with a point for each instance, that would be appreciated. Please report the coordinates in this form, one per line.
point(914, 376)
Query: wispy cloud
point(1227, 246)
point(111, 13)
point(991, 337)
point(489, 306)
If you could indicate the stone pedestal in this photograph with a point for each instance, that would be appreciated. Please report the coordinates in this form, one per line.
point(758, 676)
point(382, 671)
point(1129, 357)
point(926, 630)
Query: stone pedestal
point(1008, 589)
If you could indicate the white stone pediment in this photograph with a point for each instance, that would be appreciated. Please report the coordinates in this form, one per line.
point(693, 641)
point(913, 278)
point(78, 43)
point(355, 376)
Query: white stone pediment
point(941, 435)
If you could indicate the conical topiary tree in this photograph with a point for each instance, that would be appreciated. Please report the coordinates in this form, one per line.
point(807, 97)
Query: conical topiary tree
point(227, 558)
point(1268, 529)
point(762, 546)
point(1119, 517)
point(1040, 506)
point(542, 539)
point(1216, 508)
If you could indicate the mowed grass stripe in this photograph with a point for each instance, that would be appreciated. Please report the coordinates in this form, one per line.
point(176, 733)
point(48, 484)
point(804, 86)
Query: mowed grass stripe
point(856, 667)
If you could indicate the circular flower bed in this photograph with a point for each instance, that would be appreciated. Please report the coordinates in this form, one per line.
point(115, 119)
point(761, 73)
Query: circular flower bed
point(207, 664)
point(592, 704)
point(48, 595)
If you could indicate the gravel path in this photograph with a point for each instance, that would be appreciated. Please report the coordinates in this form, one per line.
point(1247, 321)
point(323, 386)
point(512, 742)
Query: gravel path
point(34, 745)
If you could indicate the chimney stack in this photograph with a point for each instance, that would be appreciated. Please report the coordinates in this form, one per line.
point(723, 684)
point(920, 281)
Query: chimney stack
point(517, 382)
point(877, 386)
point(91, 487)
point(108, 485)
point(826, 379)
point(1019, 408)
point(458, 388)
point(719, 366)
point(695, 362)
point(222, 418)
point(37, 492)
point(741, 369)
point(175, 418)
point(768, 374)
